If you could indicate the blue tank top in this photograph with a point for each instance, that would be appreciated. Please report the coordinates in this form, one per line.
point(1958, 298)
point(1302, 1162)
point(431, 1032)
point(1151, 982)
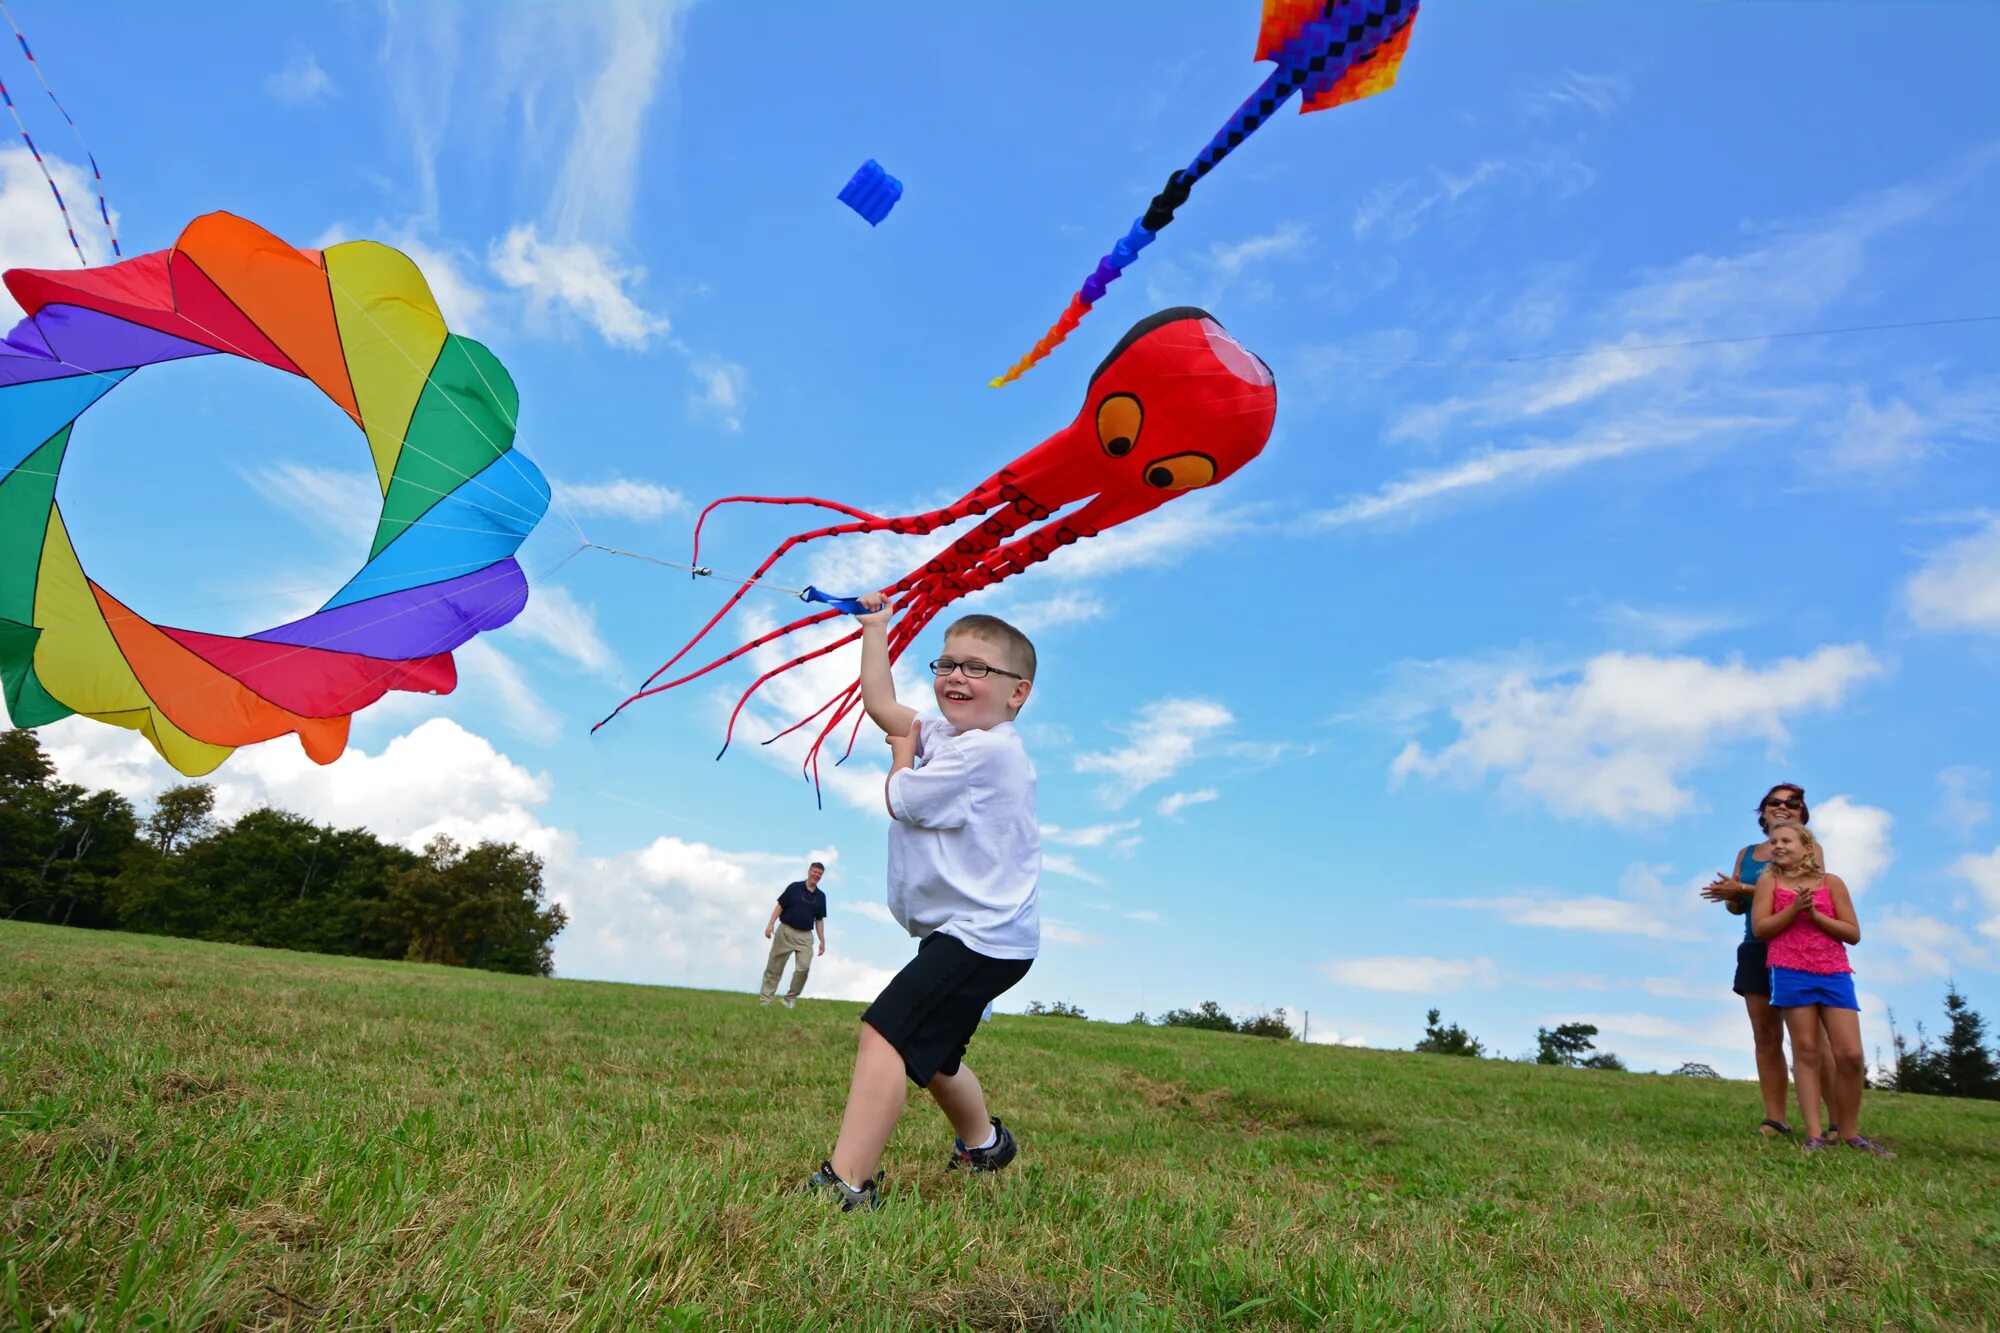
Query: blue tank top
point(1748, 868)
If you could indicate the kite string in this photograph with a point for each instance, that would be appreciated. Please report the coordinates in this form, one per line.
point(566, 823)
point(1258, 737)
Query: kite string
point(103, 208)
point(29, 139)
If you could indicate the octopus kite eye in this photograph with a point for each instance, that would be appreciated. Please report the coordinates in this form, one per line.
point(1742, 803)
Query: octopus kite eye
point(1118, 420)
point(1182, 472)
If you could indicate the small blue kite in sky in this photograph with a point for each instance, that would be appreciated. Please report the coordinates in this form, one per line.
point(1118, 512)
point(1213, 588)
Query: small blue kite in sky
point(872, 192)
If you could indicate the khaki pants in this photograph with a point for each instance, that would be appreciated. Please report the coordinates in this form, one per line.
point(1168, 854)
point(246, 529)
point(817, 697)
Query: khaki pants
point(796, 945)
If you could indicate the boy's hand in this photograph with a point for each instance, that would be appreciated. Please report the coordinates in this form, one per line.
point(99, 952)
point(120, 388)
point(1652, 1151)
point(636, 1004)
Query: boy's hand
point(878, 611)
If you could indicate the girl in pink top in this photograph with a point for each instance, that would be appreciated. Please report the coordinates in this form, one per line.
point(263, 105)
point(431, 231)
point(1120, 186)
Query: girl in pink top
point(1808, 919)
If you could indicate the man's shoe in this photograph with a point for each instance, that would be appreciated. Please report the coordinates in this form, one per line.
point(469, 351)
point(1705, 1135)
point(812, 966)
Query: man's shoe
point(991, 1158)
point(763, 999)
point(827, 1181)
point(791, 1002)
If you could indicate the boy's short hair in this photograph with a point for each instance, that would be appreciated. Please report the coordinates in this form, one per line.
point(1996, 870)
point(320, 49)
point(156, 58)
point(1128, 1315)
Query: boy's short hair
point(995, 630)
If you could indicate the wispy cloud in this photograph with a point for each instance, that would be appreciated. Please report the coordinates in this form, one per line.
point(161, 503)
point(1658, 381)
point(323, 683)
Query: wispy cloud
point(1958, 585)
point(1163, 738)
point(1589, 913)
point(1668, 628)
point(300, 82)
point(337, 503)
point(1613, 740)
point(31, 231)
point(1095, 835)
point(1963, 804)
point(1598, 94)
point(1170, 806)
point(578, 279)
point(555, 619)
point(1493, 468)
point(622, 497)
point(1412, 975)
point(1856, 839)
point(1398, 209)
point(720, 392)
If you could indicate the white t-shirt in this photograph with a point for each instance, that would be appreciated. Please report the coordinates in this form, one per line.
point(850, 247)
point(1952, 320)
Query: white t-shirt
point(965, 850)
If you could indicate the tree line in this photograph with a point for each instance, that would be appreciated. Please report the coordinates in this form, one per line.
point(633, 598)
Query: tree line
point(75, 857)
point(1958, 1064)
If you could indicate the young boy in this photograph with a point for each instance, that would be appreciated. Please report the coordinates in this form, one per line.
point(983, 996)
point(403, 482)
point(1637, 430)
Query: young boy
point(965, 856)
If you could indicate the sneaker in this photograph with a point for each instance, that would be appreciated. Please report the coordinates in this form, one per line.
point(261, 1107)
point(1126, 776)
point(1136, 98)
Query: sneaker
point(827, 1181)
point(791, 1002)
point(763, 999)
point(991, 1158)
point(1856, 1141)
point(1817, 1142)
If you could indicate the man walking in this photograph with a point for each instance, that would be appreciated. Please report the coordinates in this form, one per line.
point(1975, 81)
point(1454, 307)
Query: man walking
point(800, 912)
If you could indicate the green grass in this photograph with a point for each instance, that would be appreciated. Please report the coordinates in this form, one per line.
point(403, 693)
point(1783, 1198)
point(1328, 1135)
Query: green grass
point(202, 1136)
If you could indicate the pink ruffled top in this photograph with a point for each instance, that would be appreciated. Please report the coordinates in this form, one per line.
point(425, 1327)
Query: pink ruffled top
point(1803, 946)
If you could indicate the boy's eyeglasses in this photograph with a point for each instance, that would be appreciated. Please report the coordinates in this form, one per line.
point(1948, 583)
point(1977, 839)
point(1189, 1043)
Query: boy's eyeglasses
point(944, 666)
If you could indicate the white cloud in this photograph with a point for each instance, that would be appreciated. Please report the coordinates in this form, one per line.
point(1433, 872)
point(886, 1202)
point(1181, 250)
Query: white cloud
point(1096, 835)
point(520, 705)
point(1061, 863)
point(31, 227)
point(1592, 913)
point(1855, 838)
point(581, 279)
point(1164, 737)
point(1927, 946)
point(1171, 533)
point(339, 503)
point(1982, 872)
point(1412, 975)
point(1170, 806)
point(1055, 932)
point(1958, 586)
point(1612, 741)
point(1531, 462)
point(1288, 239)
point(555, 619)
point(1064, 608)
point(622, 497)
point(1400, 208)
point(300, 81)
point(1669, 628)
point(1145, 916)
point(1600, 94)
point(1870, 437)
point(720, 397)
point(1964, 806)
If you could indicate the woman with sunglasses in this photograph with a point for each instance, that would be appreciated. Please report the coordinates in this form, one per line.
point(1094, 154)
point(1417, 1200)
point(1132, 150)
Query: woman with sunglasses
point(1734, 889)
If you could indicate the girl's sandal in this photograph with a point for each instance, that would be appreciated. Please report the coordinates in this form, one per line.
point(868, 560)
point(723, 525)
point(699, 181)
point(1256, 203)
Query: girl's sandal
point(1773, 1128)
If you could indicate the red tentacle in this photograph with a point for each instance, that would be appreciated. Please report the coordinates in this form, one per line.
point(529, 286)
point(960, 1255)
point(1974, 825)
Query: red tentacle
point(779, 670)
point(918, 524)
point(834, 505)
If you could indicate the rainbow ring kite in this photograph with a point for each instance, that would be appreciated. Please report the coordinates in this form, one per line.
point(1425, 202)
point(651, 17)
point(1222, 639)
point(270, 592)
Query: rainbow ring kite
point(438, 412)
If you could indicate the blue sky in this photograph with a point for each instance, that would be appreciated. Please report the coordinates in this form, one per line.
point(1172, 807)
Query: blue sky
point(1451, 698)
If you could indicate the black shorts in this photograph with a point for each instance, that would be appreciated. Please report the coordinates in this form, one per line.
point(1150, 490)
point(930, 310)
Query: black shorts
point(1753, 968)
point(931, 1008)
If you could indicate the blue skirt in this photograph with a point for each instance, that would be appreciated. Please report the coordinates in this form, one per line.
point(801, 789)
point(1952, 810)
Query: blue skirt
point(1791, 987)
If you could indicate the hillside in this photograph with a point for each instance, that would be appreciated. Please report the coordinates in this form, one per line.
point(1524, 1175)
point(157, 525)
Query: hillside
point(208, 1136)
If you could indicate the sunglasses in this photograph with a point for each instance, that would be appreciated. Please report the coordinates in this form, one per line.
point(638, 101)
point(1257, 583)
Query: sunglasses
point(1785, 802)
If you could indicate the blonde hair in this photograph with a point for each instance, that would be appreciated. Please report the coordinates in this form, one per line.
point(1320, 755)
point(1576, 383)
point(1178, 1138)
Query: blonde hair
point(1815, 862)
point(1020, 652)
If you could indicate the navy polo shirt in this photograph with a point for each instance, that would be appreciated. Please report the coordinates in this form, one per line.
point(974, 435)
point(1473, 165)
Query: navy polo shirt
point(799, 906)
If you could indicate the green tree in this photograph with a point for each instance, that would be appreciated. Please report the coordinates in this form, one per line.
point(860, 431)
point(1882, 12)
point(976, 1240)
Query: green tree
point(181, 815)
point(1453, 1040)
point(1274, 1024)
point(1208, 1017)
point(1969, 1069)
point(1601, 1060)
point(481, 907)
point(60, 845)
point(1568, 1044)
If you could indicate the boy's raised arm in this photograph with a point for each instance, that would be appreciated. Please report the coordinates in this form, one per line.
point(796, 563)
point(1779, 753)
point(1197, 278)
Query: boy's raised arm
point(878, 685)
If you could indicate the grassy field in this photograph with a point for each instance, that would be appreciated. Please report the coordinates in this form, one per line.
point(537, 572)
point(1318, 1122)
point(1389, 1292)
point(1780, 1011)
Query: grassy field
point(203, 1136)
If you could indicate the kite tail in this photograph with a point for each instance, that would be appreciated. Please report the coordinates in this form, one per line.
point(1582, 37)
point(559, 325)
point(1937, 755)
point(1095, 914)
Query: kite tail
point(103, 208)
point(1317, 55)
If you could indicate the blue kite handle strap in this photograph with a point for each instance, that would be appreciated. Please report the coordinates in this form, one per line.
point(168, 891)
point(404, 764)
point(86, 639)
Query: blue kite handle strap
point(851, 605)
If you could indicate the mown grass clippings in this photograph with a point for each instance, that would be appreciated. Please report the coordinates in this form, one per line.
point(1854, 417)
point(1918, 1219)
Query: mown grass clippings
point(296, 1142)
